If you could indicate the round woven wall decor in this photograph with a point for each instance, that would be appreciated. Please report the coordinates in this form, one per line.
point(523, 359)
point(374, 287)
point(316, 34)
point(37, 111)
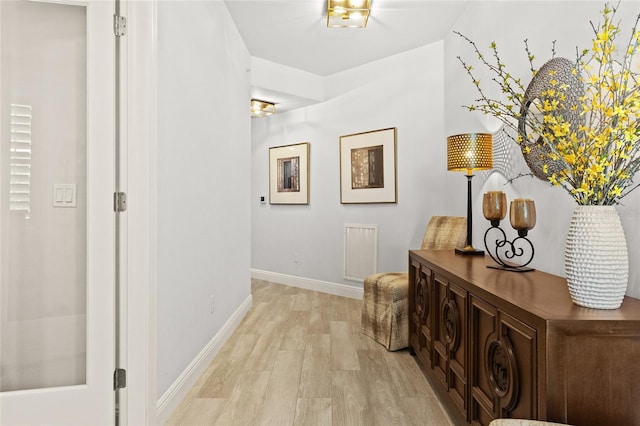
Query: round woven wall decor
point(562, 71)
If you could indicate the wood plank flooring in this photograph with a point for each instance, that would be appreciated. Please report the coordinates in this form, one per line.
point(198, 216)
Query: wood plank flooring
point(298, 358)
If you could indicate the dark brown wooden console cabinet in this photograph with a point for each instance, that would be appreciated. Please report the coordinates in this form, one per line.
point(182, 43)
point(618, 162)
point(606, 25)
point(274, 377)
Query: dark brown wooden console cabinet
point(499, 344)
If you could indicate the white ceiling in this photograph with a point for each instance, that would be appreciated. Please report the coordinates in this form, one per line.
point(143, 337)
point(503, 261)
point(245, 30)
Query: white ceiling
point(294, 32)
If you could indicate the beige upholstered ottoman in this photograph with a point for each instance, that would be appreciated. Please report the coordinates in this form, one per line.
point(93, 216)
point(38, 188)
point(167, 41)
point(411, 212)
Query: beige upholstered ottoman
point(385, 310)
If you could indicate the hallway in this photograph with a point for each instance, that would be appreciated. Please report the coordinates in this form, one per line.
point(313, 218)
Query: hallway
point(298, 358)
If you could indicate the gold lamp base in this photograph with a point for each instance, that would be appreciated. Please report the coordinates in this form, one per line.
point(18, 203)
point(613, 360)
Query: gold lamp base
point(469, 250)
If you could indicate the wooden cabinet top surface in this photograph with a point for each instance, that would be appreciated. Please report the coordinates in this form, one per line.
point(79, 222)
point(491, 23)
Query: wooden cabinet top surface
point(542, 295)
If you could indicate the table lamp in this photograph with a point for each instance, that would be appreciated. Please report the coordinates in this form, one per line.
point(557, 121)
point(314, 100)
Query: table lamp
point(465, 153)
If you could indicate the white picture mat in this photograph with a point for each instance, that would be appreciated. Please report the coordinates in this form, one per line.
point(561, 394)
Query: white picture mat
point(297, 150)
point(384, 137)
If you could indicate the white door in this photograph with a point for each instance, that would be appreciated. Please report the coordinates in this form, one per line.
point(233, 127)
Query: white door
point(57, 244)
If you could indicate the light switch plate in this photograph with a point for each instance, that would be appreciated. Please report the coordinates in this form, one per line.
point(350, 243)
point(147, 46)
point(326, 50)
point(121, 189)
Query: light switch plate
point(65, 194)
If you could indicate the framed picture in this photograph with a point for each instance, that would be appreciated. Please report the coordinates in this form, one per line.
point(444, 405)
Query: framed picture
point(368, 167)
point(289, 174)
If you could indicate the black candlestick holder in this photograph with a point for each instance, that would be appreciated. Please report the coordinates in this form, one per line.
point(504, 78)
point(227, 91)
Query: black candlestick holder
point(512, 255)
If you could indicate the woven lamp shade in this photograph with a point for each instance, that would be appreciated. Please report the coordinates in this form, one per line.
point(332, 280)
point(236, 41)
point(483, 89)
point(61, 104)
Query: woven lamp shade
point(469, 152)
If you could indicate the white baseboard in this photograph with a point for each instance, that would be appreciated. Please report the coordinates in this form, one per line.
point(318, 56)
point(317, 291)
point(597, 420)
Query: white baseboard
point(170, 400)
point(308, 284)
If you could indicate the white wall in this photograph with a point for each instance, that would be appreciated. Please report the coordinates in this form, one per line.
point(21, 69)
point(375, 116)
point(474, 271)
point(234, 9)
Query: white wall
point(283, 79)
point(204, 178)
point(508, 24)
point(404, 91)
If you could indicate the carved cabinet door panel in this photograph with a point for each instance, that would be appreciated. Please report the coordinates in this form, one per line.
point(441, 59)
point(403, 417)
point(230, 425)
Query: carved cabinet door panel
point(425, 297)
point(514, 335)
point(440, 339)
point(414, 323)
point(454, 321)
point(420, 310)
point(503, 365)
point(450, 340)
point(482, 324)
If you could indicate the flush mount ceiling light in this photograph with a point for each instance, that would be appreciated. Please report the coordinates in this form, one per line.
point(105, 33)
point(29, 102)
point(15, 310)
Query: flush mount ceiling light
point(348, 13)
point(262, 108)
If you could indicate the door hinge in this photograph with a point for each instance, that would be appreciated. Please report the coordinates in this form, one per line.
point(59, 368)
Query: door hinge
point(119, 378)
point(119, 25)
point(119, 202)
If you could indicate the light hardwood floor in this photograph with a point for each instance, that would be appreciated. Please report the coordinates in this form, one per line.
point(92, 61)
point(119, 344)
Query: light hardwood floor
point(298, 358)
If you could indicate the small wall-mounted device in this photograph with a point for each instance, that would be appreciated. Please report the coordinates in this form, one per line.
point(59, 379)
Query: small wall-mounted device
point(262, 200)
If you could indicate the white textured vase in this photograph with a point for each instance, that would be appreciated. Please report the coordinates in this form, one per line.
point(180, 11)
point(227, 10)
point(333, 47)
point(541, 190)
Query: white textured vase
point(596, 258)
